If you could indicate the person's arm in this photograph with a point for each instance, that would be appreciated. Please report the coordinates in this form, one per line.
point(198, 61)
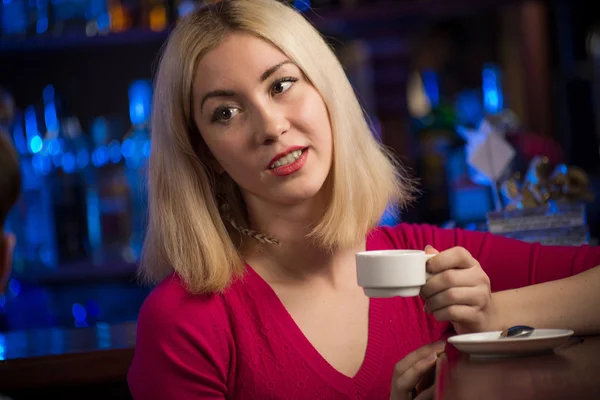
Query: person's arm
point(541, 286)
point(569, 303)
point(180, 352)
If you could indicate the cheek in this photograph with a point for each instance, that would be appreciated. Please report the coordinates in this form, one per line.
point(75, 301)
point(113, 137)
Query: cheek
point(313, 114)
point(233, 158)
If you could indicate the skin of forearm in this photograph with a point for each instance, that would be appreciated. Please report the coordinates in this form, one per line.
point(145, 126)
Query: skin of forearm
point(570, 303)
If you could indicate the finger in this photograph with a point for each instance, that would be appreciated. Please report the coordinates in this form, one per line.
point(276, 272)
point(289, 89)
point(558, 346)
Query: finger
point(457, 313)
point(427, 379)
point(452, 278)
point(431, 250)
point(427, 394)
point(409, 379)
point(456, 257)
point(466, 296)
point(419, 354)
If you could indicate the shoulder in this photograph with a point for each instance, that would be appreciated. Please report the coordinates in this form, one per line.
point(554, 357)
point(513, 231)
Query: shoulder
point(173, 318)
point(169, 303)
point(183, 341)
point(401, 236)
point(417, 236)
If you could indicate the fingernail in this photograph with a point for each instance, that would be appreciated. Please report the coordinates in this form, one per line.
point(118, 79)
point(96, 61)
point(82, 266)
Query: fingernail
point(428, 247)
point(432, 357)
point(425, 308)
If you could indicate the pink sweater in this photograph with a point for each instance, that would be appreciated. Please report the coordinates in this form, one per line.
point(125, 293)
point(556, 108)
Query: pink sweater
point(243, 344)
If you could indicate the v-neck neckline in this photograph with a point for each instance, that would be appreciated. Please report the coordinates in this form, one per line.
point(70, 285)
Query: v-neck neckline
point(311, 356)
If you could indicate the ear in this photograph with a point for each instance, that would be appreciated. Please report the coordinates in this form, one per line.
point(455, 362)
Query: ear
point(7, 245)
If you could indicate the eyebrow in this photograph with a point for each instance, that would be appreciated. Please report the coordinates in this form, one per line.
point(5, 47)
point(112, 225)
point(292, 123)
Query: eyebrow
point(231, 93)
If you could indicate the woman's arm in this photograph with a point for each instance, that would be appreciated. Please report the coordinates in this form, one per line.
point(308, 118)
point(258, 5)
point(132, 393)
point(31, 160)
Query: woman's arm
point(541, 286)
point(509, 263)
point(570, 303)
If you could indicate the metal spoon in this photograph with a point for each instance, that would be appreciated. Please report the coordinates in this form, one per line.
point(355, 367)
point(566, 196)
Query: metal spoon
point(517, 331)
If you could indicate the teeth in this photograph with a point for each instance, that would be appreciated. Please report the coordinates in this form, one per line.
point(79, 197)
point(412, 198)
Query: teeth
point(285, 160)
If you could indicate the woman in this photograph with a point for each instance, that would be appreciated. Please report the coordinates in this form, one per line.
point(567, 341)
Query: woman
point(264, 182)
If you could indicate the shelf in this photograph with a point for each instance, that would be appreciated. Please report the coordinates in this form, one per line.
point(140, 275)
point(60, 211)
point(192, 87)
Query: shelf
point(131, 37)
point(398, 9)
point(85, 273)
point(326, 20)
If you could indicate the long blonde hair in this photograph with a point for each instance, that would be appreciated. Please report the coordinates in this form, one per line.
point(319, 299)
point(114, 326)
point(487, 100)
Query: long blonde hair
point(186, 232)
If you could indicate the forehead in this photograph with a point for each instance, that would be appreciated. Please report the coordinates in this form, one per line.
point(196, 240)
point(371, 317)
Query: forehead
point(240, 57)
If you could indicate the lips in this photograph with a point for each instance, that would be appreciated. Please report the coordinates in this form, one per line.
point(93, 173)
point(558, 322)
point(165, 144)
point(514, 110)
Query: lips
point(284, 153)
point(290, 168)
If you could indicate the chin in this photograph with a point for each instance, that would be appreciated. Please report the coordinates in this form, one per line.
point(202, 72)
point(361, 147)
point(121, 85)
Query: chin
point(297, 193)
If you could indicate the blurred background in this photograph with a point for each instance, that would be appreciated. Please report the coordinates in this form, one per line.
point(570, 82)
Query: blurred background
point(434, 76)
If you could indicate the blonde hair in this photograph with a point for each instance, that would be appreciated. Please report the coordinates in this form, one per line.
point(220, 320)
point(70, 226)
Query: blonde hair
point(186, 232)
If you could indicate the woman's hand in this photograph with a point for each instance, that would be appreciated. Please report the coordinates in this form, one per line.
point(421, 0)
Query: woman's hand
point(412, 369)
point(459, 291)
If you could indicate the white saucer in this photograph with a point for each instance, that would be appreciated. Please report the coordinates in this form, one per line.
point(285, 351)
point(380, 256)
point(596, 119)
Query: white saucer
point(490, 344)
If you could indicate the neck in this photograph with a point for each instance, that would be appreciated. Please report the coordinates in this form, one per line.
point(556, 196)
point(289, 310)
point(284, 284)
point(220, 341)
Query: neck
point(297, 259)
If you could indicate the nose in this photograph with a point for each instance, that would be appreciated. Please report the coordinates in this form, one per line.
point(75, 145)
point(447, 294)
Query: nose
point(271, 123)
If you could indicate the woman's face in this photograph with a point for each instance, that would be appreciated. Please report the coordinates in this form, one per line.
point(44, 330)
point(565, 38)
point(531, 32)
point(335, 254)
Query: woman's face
point(264, 123)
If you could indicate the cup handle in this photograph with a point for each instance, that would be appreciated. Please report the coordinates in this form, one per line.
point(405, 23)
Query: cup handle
point(428, 257)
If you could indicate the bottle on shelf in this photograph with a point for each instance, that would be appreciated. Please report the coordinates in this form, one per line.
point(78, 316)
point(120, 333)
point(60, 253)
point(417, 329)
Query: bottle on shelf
point(68, 186)
point(136, 150)
point(108, 198)
point(154, 15)
point(14, 19)
point(32, 219)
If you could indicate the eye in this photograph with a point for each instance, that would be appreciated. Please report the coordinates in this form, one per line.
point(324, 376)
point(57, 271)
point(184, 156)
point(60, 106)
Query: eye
point(225, 114)
point(283, 84)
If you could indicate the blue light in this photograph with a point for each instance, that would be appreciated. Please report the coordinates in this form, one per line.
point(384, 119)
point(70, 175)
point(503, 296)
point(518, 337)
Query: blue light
point(104, 335)
point(48, 94)
point(302, 5)
point(57, 160)
point(79, 312)
point(99, 131)
point(46, 165)
point(51, 118)
point(431, 86)
point(469, 108)
point(93, 218)
point(127, 148)
point(83, 158)
point(36, 144)
point(140, 101)
point(2, 347)
point(100, 156)
point(69, 163)
point(185, 7)
point(93, 309)
point(19, 137)
point(37, 161)
point(42, 25)
point(14, 287)
point(147, 148)
point(390, 217)
point(54, 147)
point(103, 22)
point(114, 150)
point(47, 257)
point(31, 127)
point(493, 99)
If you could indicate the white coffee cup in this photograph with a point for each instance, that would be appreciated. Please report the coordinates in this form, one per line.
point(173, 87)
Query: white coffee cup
point(390, 273)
